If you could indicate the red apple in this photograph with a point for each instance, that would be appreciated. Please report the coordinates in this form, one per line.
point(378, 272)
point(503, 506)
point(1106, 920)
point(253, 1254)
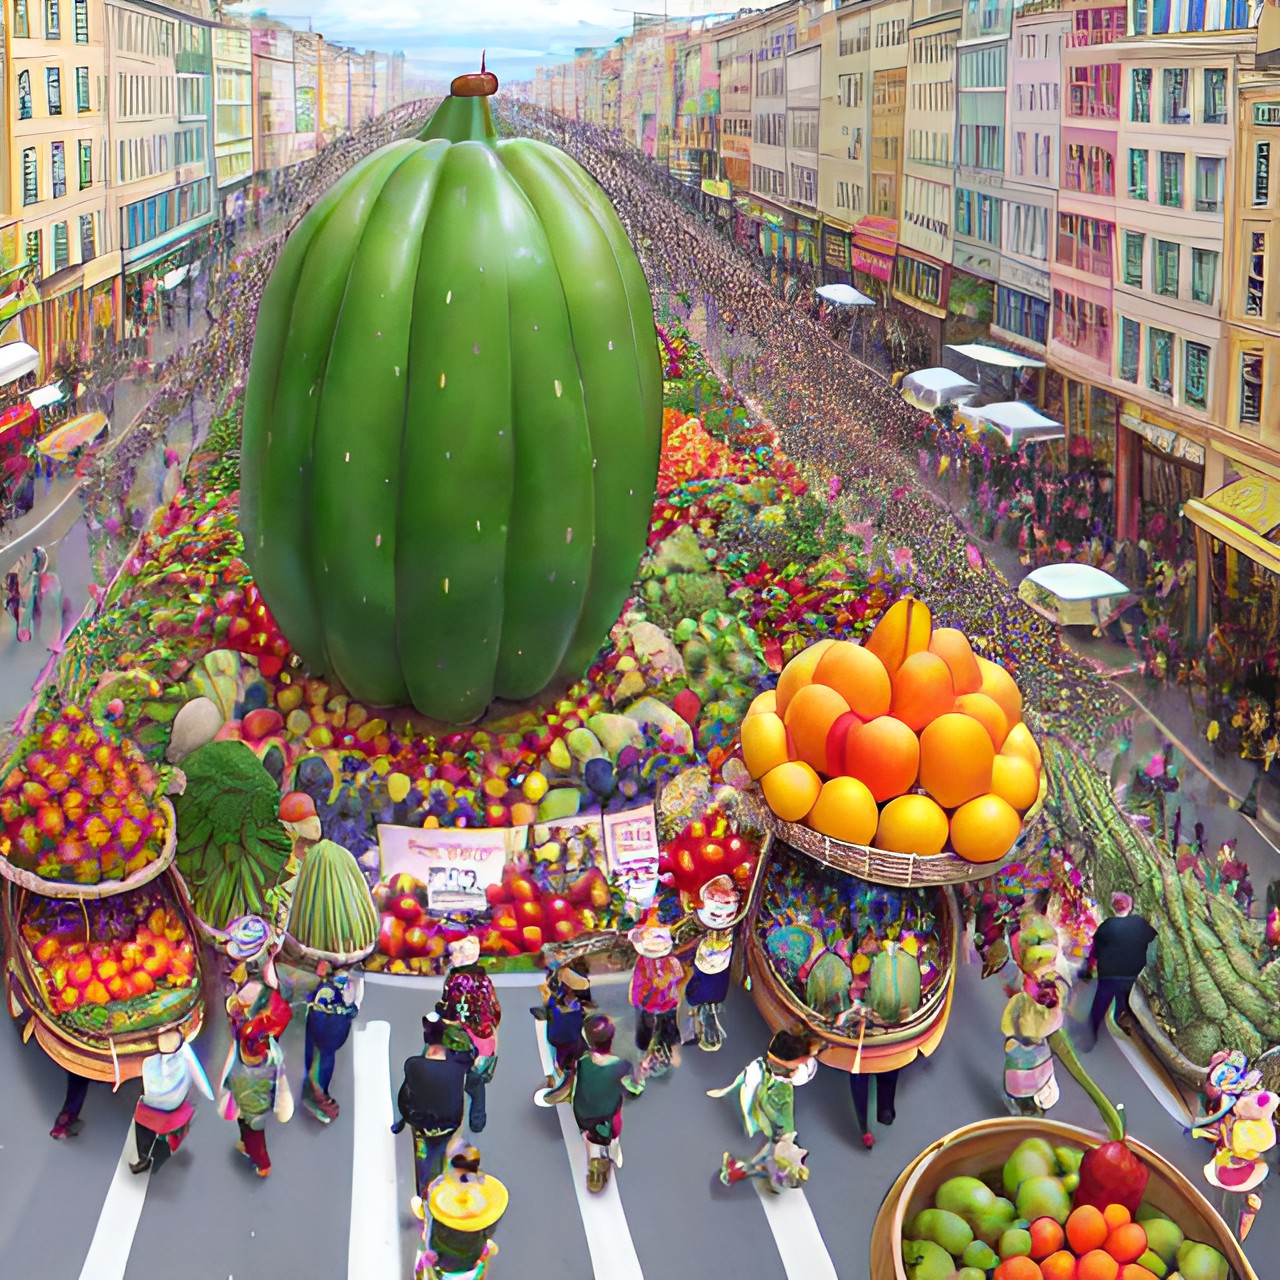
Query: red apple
point(528, 913)
point(496, 894)
point(405, 907)
point(391, 937)
point(415, 941)
point(838, 737)
point(566, 930)
point(402, 882)
point(531, 936)
point(523, 888)
point(558, 909)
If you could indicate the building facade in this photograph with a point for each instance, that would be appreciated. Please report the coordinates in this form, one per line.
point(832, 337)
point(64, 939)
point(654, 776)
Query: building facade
point(232, 114)
point(274, 103)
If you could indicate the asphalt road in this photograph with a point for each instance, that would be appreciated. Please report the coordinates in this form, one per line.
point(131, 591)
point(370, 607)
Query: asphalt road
point(206, 1217)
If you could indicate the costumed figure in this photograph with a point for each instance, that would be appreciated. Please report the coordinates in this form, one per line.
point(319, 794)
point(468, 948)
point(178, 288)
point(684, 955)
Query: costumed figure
point(458, 1214)
point(471, 1002)
point(331, 1013)
point(253, 1084)
point(1032, 1015)
point(1239, 1119)
point(765, 1092)
point(601, 1083)
point(432, 1097)
point(655, 996)
point(566, 998)
point(162, 1118)
point(717, 912)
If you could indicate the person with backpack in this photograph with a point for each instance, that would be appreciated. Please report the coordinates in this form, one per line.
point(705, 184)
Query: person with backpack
point(432, 1096)
point(471, 1002)
point(331, 1013)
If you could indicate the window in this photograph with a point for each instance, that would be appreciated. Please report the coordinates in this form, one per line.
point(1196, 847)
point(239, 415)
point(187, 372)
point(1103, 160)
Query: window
point(1084, 326)
point(60, 252)
point(1204, 275)
point(1215, 95)
point(34, 251)
point(1160, 361)
point(52, 23)
point(1208, 184)
point(82, 88)
point(58, 158)
point(804, 184)
point(1085, 244)
point(1094, 91)
point(1256, 273)
point(30, 176)
point(850, 89)
point(804, 130)
point(86, 163)
point(24, 95)
point(918, 279)
point(1140, 103)
point(1021, 314)
point(53, 87)
point(1261, 173)
point(21, 25)
point(1251, 384)
point(1130, 348)
point(1166, 267)
point(1139, 17)
point(1134, 247)
point(1171, 178)
point(1137, 175)
point(1195, 374)
point(1177, 96)
point(88, 241)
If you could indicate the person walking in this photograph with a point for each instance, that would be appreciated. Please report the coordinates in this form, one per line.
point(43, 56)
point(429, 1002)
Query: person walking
point(1121, 948)
point(331, 1013)
point(162, 1118)
point(471, 1002)
point(431, 1098)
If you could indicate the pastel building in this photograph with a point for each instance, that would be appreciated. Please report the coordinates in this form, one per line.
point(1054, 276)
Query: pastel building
point(803, 77)
point(275, 111)
point(774, 40)
point(232, 113)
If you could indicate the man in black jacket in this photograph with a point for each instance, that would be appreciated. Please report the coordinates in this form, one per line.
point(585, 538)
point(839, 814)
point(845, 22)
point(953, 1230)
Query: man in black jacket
point(1120, 946)
point(432, 1096)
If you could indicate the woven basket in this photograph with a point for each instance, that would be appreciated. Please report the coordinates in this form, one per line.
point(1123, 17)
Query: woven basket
point(104, 888)
point(299, 956)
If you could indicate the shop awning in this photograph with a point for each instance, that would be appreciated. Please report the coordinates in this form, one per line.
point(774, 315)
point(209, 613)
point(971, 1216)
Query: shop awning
point(46, 396)
point(929, 388)
point(174, 278)
point(63, 441)
point(1245, 515)
point(17, 359)
point(845, 295)
point(996, 356)
point(1017, 422)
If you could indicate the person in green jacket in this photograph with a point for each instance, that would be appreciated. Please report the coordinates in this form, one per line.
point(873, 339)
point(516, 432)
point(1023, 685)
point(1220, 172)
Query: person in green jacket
point(766, 1093)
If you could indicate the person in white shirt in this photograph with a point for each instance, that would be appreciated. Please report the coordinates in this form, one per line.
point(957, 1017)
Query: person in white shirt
point(164, 1112)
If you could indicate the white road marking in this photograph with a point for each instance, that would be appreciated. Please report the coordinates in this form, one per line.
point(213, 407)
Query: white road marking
point(118, 1222)
point(613, 1252)
point(795, 1231)
point(373, 1251)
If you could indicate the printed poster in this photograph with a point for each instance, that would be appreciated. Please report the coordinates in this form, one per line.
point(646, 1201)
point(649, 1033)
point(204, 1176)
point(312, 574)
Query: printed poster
point(456, 865)
point(574, 844)
point(631, 843)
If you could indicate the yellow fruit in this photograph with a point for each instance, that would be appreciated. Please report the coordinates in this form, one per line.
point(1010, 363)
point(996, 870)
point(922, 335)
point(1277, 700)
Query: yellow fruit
point(534, 786)
point(845, 810)
point(955, 759)
point(766, 701)
point(999, 685)
point(1021, 743)
point(810, 715)
point(984, 830)
point(912, 824)
point(858, 676)
point(790, 790)
point(764, 743)
point(798, 673)
point(1015, 780)
point(905, 629)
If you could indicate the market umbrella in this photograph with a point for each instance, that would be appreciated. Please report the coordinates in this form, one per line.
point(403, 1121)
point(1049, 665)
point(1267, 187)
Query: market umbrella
point(1072, 594)
point(63, 441)
point(844, 295)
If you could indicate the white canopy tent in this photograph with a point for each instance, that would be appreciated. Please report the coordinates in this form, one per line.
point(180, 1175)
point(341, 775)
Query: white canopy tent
point(845, 295)
point(928, 389)
point(996, 356)
point(46, 396)
point(1072, 594)
point(17, 359)
point(1018, 423)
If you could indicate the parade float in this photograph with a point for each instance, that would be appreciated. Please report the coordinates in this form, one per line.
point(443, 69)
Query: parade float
point(102, 952)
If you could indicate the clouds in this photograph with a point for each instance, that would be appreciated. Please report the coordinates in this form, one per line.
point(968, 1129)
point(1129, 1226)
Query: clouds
point(442, 38)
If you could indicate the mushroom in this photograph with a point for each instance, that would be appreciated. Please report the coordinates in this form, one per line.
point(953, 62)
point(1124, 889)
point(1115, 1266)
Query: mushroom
point(298, 816)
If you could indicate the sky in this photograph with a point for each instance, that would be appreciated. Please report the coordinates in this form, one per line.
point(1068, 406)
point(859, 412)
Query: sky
point(443, 38)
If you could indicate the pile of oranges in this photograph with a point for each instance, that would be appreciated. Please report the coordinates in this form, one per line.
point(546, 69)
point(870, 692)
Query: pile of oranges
point(1095, 1244)
point(909, 742)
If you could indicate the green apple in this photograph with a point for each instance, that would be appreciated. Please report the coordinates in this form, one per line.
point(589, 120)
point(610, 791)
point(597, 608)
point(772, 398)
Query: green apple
point(927, 1261)
point(1201, 1262)
point(1044, 1197)
point(1164, 1238)
point(943, 1227)
point(1015, 1243)
point(965, 1196)
point(1030, 1159)
point(982, 1256)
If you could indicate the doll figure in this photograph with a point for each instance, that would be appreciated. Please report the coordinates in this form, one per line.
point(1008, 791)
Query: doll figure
point(458, 1215)
point(1032, 1015)
point(470, 1000)
point(655, 995)
point(163, 1115)
point(1243, 1137)
point(1226, 1082)
point(765, 1092)
point(709, 986)
point(566, 998)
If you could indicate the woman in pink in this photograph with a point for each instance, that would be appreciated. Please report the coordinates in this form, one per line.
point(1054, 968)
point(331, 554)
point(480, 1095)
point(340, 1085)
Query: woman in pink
point(655, 993)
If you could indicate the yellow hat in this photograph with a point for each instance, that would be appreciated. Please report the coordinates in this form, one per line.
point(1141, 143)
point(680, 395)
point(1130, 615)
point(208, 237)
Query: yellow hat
point(467, 1206)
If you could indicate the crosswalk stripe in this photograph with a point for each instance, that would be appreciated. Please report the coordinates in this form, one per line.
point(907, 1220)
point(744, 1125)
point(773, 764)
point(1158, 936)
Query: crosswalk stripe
point(118, 1222)
point(373, 1251)
point(613, 1252)
point(795, 1231)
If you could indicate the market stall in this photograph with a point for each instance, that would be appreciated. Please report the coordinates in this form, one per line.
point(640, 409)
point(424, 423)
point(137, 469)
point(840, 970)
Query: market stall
point(930, 389)
point(1017, 423)
point(1074, 595)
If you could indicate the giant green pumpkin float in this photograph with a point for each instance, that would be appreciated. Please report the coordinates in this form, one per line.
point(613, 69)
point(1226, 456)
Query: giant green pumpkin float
point(452, 422)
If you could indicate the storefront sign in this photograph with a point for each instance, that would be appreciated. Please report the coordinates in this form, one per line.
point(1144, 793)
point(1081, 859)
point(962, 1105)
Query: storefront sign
point(631, 843)
point(1167, 441)
point(835, 254)
point(457, 866)
point(872, 264)
point(714, 187)
point(978, 262)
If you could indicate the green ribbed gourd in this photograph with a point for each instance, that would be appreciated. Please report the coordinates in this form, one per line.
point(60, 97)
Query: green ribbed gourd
point(452, 421)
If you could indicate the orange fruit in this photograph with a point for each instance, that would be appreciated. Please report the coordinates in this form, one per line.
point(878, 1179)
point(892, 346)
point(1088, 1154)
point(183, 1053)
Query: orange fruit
point(1116, 1215)
point(922, 690)
point(906, 628)
point(1127, 1242)
point(1021, 743)
point(1059, 1266)
point(955, 759)
point(790, 789)
point(811, 712)
point(1097, 1264)
point(988, 713)
point(912, 824)
point(984, 830)
point(798, 673)
point(1086, 1229)
point(858, 676)
point(1046, 1237)
point(1017, 1269)
point(1015, 781)
point(883, 753)
point(764, 743)
point(766, 701)
point(954, 649)
point(845, 810)
point(1132, 1271)
point(999, 685)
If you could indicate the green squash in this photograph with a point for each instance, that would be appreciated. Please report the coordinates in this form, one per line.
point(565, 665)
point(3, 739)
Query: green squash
point(452, 421)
